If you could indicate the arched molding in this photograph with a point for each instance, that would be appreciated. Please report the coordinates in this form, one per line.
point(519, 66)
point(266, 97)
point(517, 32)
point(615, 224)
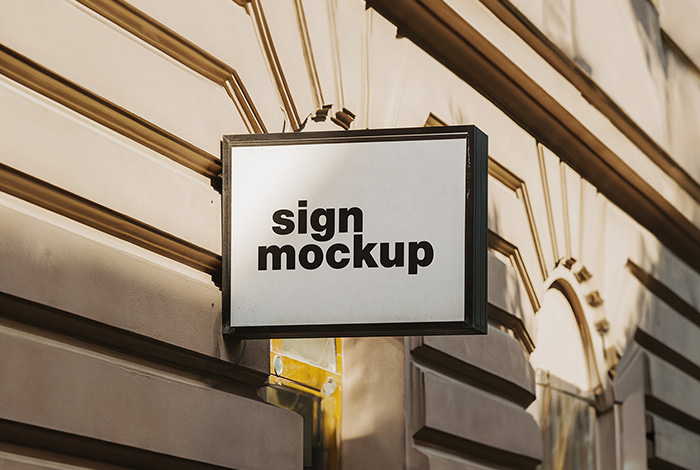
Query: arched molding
point(564, 280)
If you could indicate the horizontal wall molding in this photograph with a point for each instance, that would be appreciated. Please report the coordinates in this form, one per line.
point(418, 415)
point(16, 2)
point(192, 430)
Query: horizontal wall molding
point(662, 350)
point(513, 323)
point(106, 220)
point(670, 446)
point(510, 377)
point(207, 424)
point(92, 451)
point(32, 75)
point(243, 375)
point(166, 40)
point(594, 94)
point(465, 449)
point(441, 32)
point(673, 414)
point(450, 428)
point(664, 293)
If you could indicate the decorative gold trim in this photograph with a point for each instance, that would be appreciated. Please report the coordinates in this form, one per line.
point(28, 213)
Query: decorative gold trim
point(548, 202)
point(187, 53)
point(504, 176)
point(306, 375)
point(311, 68)
point(34, 76)
point(366, 65)
point(565, 209)
point(238, 94)
point(594, 299)
point(262, 31)
point(583, 274)
point(434, 121)
point(499, 244)
point(106, 220)
point(563, 286)
point(312, 379)
point(581, 217)
point(517, 185)
point(335, 47)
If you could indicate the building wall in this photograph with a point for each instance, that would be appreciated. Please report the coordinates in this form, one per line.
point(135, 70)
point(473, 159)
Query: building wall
point(112, 114)
point(111, 241)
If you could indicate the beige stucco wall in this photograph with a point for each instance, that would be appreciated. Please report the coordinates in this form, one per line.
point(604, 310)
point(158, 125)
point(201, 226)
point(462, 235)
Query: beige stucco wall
point(111, 239)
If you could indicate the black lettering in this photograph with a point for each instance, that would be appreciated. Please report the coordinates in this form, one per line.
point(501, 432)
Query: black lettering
point(302, 217)
point(304, 256)
point(344, 214)
point(414, 261)
point(328, 227)
point(384, 255)
point(283, 217)
point(362, 253)
point(276, 253)
point(322, 225)
point(331, 259)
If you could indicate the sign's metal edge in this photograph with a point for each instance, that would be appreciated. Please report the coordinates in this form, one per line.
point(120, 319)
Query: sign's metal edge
point(475, 283)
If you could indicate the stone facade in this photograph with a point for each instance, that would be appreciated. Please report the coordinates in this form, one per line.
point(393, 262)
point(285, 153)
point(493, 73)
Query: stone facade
point(111, 117)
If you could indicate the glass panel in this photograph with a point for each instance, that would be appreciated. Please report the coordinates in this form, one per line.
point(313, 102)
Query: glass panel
point(309, 407)
point(319, 352)
point(568, 428)
point(305, 377)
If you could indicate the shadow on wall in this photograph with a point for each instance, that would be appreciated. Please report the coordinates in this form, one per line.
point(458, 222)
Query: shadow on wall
point(656, 381)
point(664, 320)
point(373, 421)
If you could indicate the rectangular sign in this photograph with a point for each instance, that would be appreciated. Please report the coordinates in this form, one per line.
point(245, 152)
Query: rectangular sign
point(355, 233)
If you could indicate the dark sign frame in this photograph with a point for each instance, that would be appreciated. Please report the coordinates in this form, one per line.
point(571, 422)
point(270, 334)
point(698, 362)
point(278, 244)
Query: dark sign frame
point(476, 228)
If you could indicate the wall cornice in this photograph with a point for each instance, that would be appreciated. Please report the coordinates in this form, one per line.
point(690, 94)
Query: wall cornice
point(450, 39)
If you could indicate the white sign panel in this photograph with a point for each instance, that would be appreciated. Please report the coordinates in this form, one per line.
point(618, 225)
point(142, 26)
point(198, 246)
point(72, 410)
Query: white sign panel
point(353, 233)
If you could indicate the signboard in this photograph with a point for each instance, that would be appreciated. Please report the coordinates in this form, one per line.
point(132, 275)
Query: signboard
point(355, 233)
